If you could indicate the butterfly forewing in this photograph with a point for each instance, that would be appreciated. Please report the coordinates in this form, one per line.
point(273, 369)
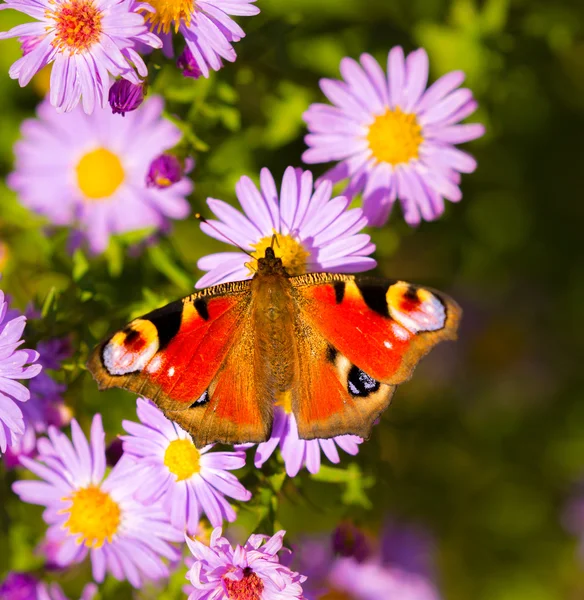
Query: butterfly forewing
point(172, 354)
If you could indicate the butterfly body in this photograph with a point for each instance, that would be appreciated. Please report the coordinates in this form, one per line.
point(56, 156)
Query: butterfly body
point(331, 348)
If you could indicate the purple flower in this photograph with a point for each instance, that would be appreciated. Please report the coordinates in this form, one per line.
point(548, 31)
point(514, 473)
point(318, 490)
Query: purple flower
point(370, 580)
point(186, 481)
point(298, 453)
point(206, 27)
point(18, 586)
point(314, 232)
point(125, 96)
point(407, 547)
point(88, 41)
point(394, 139)
point(22, 586)
point(249, 572)
point(45, 406)
point(13, 365)
point(90, 170)
point(187, 63)
point(165, 170)
point(89, 513)
point(53, 591)
point(348, 564)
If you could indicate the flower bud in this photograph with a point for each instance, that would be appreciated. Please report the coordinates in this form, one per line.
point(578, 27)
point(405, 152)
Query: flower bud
point(187, 63)
point(125, 96)
point(164, 170)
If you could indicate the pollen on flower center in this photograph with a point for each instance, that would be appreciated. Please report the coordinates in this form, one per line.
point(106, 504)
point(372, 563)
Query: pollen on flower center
point(249, 587)
point(168, 12)
point(395, 137)
point(292, 252)
point(78, 25)
point(93, 516)
point(99, 174)
point(182, 459)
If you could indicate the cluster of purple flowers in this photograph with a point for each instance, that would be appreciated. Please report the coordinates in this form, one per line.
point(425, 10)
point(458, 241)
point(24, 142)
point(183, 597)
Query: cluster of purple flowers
point(100, 158)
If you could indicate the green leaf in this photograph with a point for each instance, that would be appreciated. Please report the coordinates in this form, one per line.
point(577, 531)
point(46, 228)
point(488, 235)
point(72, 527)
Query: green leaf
point(167, 267)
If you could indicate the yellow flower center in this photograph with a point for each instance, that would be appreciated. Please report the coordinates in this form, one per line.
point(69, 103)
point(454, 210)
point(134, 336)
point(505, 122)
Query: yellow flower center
point(291, 252)
point(93, 516)
point(77, 25)
point(169, 12)
point(182, 459)
point(99, 174)
point(395, 137)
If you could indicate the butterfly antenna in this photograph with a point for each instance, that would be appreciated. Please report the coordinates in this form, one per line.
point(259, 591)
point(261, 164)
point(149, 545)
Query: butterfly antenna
point(274, 239)
point(249, 265)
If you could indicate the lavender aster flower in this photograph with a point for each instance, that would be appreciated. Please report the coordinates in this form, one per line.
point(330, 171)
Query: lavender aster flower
point(207, 28)
point(22, 586)
point(90, 170)
point(298, 453)
point(88, 41)
point(45, 406)
point(14, 365)
point(18, 586)
point(187, 481)
point(53, 591)
point(249, 572)
point(348, 565)
point(125, 96)
point(394, 139)
point(89, 513)
point(370, 581)
point(315, 232)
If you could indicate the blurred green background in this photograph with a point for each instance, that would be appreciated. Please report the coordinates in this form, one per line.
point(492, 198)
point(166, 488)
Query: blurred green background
point(485, 445)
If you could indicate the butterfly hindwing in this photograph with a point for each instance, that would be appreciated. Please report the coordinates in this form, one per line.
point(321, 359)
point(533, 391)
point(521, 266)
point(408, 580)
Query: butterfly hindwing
point(368, 334)
point(333, 397)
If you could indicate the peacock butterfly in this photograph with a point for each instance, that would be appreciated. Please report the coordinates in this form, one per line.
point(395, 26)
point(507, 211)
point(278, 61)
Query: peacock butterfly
point(333, 347)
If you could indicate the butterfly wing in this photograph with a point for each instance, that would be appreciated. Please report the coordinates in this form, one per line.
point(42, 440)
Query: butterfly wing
point(363, 337)
point(183, 357)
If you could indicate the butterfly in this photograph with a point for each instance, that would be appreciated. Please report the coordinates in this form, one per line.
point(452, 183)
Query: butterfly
point(329, 347)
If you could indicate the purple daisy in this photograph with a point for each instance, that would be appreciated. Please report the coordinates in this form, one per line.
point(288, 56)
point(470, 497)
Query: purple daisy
point(394, 139)
point(22, 586)
point(369, 580)
point(90, 170)
point(350, 564)
point(14, 365)
point(206, 27)
point(252, 571)
point(45, 406)
point(186, 481)
point(314, 232)
point(298, 453)
point(89, 513)
point(89, 42)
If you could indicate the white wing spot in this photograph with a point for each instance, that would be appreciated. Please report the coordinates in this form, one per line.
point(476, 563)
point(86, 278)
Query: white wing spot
point(171, 371)
point(388, 344)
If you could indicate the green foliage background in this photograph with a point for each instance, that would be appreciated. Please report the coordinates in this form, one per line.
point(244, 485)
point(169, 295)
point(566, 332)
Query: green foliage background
point(485, 444)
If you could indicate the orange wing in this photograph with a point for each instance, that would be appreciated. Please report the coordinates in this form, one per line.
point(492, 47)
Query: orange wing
point(360, 338)
point(184, 357)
